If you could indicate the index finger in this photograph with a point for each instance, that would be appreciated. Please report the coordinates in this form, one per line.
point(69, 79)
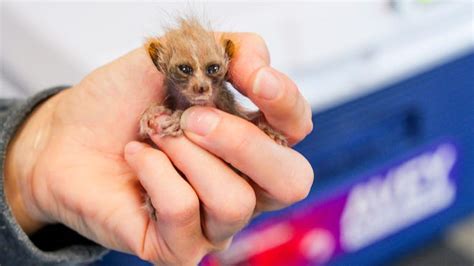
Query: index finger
point(273, 92)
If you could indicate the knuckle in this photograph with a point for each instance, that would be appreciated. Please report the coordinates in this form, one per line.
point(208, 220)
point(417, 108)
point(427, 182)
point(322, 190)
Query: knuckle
point(149, 157)
point(259, 43)
point(257, 38)
point(181, 212)
point(238, 210)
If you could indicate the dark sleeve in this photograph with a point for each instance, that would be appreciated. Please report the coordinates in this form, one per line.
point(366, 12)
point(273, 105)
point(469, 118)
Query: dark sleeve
point(54, 244)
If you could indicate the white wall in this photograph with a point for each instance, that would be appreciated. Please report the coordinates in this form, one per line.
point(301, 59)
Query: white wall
point(327, 46)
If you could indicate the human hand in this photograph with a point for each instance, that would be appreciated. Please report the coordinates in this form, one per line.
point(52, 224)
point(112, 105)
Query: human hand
point(76, 171)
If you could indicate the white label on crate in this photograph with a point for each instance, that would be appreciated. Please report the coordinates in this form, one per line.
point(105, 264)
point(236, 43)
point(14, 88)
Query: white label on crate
point(398, 197)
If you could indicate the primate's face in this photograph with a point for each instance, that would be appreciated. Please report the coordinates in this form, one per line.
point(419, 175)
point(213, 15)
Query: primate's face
point(197, 70)
point(194, 62)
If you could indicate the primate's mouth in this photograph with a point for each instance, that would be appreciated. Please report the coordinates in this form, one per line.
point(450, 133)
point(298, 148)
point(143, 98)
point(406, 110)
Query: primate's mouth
point(200, 101)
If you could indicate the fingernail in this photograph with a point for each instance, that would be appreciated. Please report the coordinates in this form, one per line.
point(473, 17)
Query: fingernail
point(133, 147)
point(199, 120)
point(266, 85)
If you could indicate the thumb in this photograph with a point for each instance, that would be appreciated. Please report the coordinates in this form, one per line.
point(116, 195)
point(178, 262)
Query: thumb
point(136, 77)
point(132, 78)
point(116, 94)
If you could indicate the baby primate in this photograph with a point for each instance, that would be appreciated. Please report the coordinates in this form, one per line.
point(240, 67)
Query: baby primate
point(195, 65)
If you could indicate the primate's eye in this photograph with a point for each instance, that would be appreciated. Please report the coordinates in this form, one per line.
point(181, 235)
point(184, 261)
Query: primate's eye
point(213, 69)
point(186, 69)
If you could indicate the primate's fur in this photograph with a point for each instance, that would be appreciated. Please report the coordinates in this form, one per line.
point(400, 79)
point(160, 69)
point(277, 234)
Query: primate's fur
point(195, 64)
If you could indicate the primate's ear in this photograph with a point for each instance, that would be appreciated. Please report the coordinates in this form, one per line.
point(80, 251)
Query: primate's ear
point(154, 48)
point(229, 48)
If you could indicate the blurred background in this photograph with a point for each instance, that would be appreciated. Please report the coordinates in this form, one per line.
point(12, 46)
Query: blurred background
point(391, 84)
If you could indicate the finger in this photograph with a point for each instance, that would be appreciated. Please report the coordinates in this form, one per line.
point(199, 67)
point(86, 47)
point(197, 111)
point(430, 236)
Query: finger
point(176, 204)
point(228, 201)
point(273, 92)
point(282, 175)
point(251, 54)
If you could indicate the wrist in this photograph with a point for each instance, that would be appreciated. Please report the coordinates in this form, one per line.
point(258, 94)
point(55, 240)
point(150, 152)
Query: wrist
point(22, 155)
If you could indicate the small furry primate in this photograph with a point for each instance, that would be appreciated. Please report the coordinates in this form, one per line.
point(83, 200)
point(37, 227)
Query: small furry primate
point(195, 64)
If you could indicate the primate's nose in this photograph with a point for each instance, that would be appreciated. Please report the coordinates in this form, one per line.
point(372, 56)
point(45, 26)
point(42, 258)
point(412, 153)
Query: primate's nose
point(201, 89)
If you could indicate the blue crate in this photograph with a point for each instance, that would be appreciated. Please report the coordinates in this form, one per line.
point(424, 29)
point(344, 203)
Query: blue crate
point(357, 138)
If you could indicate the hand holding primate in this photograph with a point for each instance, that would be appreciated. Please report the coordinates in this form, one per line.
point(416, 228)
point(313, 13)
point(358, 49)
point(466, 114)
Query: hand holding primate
point(195, 64)
point(77, 171)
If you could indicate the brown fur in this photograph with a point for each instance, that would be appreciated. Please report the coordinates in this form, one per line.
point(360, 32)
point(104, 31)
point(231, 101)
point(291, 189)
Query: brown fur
point(195, 48)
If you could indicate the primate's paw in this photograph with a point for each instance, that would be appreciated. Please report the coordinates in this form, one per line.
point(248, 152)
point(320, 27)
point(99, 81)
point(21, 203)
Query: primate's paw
point(272, 133)
point(170, 126)
point(149, 120)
